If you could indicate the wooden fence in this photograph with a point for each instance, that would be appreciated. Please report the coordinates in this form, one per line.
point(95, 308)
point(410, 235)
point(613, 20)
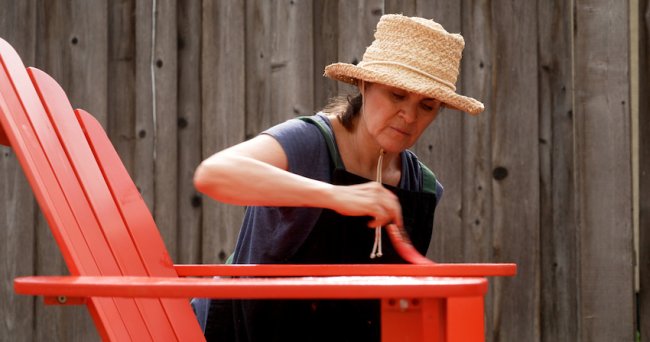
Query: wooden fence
point(543, 178)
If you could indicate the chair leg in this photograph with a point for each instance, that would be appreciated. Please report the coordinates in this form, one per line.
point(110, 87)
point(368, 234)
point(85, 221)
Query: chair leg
point(465, 322)
point(413, 320)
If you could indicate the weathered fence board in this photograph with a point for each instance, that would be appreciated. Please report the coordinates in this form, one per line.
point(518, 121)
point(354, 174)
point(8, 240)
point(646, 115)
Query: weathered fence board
point(558, 267)
point(223, 111)
point(189, 131)
point(476, 168)
point(258, 66)
point(405, 7)
point(144, 146)
point(515, 170)
point(603, 166)
point(291, 78)
point(357, 22)
point(325, 49)
point(17, 205)
point(644, 169)
point(165, 81)
point(121, 79)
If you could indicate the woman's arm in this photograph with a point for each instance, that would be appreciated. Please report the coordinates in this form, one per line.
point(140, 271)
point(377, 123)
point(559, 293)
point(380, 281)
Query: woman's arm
point(254, 173)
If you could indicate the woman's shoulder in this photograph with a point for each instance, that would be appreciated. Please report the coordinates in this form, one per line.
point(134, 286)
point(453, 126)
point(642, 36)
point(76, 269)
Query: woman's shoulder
point(425, 179)
point(298, 125)
point(304, 145)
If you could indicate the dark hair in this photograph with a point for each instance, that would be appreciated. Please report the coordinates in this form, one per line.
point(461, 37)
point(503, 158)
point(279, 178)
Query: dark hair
point(346, 109)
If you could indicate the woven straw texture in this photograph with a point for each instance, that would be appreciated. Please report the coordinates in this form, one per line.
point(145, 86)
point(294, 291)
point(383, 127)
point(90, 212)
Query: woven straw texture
point(414, 54)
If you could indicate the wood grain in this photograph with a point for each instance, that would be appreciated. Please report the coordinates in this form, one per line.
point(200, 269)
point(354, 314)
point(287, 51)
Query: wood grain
point(643, 319)
point(559, 267)
point(223, 113)
point(603, 166)
point(189, 122)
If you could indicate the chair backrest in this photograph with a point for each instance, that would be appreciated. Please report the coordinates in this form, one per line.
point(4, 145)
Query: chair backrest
point(94, 210)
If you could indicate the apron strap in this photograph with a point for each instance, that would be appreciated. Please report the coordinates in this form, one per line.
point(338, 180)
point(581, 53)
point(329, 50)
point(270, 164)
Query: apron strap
point(429, 181)
point(329, 139)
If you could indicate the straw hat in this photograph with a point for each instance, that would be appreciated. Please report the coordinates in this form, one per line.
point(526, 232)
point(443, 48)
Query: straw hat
point(413, 54)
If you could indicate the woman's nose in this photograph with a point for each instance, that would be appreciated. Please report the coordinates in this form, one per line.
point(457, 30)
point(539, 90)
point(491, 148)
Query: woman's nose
point(408, 113)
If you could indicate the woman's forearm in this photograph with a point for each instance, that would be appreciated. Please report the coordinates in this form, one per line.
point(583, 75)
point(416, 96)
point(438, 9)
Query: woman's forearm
point(246, 181)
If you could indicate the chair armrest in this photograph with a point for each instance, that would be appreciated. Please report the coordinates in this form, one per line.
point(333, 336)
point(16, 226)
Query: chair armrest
point(275, 270)
point(251, 288)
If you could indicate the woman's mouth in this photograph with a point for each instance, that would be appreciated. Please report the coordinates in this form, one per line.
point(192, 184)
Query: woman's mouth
point(400, 131)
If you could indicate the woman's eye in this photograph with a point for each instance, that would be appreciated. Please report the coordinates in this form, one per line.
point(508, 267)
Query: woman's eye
point(398, 96)
point(429, 106)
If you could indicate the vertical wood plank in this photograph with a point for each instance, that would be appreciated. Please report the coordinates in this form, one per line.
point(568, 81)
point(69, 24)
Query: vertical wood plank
point(121, 80)
point(476, 136)
point(279, 69)
point(166, 124)
point(515, 170)
point(357, 23)
point(291, 78)
point(405, 7)
point(223, 111)
point(477, 79)
point(17, 205)
point(74, 52)
point(559, 282)
point(325, 47)
point(259, 114)
point(603, 166)
point(155, 164)
point(143, 162)
point(644, 170)
point(189, 130)
point(88, 42)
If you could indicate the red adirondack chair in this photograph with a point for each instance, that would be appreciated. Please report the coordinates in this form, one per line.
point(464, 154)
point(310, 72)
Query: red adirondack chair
point(121, 269)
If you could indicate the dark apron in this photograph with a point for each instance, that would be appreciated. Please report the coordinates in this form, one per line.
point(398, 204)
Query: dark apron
point(334, 239)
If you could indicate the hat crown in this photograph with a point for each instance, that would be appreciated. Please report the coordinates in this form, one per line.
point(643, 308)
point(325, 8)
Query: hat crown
point(417, 44)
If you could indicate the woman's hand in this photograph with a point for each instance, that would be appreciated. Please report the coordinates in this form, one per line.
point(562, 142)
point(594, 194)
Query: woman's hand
point(368, 199)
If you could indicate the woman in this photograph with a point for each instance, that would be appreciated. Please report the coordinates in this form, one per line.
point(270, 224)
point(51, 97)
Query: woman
point(314, 185)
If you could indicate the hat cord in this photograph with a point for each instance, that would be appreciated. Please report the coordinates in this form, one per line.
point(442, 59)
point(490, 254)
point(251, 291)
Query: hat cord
point(376, 247)
point(422, 72)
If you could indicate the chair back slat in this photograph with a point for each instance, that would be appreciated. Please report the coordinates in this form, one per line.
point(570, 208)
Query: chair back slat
point(18, 99)
point(108, 234)
point(80, 208)
point(130, 204)
point(140, 222)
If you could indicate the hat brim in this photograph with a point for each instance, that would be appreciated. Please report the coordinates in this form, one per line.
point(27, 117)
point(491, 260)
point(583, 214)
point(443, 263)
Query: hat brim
point(404, 79)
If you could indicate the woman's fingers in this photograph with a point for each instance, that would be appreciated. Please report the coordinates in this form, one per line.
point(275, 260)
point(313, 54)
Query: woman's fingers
point(370, 199)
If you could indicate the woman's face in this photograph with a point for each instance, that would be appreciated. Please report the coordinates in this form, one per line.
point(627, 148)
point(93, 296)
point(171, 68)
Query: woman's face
point(395, 117)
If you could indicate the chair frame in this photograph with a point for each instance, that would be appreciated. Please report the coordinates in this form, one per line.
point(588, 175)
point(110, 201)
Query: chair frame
point(120, 268)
